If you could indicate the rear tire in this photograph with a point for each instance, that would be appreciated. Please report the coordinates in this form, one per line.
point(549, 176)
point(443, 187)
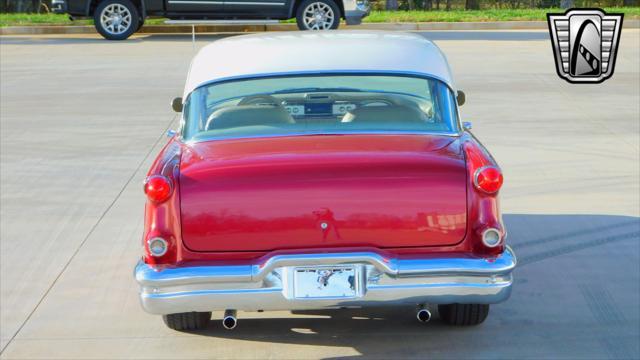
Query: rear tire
point(187, 321)
point(463, 314)
point(327, 12)
point(116, 19)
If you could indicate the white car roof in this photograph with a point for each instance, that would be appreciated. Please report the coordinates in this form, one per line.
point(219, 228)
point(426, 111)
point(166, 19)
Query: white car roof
point(280, 53)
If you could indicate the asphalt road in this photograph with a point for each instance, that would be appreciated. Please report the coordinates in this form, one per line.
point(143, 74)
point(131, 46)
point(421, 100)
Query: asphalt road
point(82, 118)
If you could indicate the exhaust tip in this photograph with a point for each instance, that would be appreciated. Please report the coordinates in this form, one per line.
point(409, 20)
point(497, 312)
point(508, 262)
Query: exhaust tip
point(424, 315)
point(229, 321)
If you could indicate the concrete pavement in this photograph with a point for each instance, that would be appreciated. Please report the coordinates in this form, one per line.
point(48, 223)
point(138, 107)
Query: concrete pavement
point(81, 119)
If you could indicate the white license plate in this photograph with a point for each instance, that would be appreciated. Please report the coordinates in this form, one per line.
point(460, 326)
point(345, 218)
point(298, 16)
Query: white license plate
point(325, 282)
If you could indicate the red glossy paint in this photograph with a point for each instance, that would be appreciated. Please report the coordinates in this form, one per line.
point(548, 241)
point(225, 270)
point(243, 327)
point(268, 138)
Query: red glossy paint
point(244, 200)
point(323, 191)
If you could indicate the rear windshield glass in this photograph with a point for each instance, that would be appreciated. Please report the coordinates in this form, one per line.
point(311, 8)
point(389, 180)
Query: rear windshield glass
point(319, 105)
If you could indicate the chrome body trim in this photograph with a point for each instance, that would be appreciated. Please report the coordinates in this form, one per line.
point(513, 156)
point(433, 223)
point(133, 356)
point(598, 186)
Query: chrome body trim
point(380, 281)
point(214, 138)
point(195, 2)
point(253, 3)
point(347, 72)
point(191, 2)
point(221, 22)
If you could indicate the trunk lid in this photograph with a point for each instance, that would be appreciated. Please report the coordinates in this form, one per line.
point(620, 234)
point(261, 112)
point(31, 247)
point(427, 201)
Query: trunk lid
point(323, 191)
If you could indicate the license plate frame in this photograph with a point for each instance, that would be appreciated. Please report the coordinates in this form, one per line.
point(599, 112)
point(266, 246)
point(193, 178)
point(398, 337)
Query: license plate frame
point(326, 282)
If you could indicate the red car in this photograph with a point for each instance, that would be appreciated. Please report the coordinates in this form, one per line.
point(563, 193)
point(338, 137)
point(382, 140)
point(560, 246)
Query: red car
point(322, 170)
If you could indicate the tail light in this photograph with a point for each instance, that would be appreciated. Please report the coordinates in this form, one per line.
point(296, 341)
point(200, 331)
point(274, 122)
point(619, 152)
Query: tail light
point(486, 176)
point(488, 179)
point(158, 188)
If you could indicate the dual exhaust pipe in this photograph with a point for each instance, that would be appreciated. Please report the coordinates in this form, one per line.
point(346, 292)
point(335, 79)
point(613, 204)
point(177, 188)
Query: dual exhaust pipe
point(230, 319)
point(423, 315)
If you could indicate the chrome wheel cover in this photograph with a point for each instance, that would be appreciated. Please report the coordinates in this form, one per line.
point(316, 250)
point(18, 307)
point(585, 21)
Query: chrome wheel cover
point(115, 19)
point(318, 16)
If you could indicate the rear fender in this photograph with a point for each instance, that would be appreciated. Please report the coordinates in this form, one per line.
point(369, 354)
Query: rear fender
point(163, 219)
point(483, 210)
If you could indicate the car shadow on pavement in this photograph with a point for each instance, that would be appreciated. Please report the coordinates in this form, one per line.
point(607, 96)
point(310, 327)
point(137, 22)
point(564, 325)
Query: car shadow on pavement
point(559, 305)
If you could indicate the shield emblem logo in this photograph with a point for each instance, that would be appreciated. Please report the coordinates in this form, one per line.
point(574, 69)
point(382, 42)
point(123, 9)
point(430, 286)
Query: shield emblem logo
point(585, 44)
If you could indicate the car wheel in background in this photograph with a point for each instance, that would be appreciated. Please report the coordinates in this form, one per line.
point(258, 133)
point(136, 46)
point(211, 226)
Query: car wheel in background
point(116, 19)
point(318, 15)
point(187, 321)
point(463, 314)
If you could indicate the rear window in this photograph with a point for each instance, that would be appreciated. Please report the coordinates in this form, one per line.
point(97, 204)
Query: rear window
point(342, 104)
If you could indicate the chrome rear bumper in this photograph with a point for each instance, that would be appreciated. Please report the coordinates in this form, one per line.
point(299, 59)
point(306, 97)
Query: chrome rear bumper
point(379, 281)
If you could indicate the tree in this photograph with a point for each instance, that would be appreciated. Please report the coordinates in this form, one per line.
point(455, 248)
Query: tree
point(21, 6)
point(472, 5)
point(391, 5)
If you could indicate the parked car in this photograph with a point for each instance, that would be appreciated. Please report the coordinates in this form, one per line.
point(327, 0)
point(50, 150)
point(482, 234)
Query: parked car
point(119, 19)
point(311, 182)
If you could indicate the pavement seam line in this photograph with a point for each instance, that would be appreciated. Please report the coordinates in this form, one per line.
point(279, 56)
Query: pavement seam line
point(93, 228)
point(576, 233)
point(528, 259)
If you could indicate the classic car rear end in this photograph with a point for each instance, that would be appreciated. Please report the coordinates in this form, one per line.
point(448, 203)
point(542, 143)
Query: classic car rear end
point(314, 184)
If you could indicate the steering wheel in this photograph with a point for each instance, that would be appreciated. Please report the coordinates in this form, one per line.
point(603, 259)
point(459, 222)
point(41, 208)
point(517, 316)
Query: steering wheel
point(261, 99)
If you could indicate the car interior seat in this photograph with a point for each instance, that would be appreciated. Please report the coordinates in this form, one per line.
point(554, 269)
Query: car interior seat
point(248, 115)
